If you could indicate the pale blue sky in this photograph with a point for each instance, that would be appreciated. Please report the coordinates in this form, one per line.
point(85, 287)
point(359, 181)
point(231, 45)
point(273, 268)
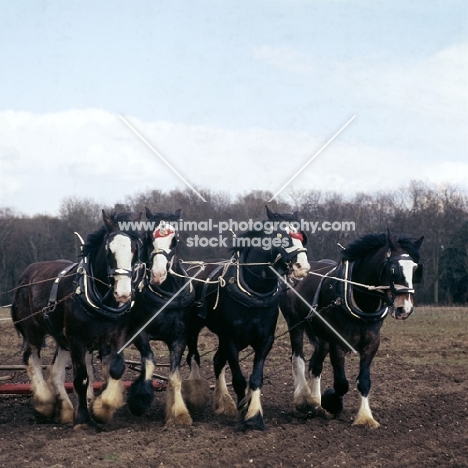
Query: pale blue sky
point(254, 70)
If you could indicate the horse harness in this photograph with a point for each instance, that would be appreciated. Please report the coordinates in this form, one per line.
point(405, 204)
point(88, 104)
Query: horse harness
point(344, 295)
point(237, 289)
point(345, 298)
point(87, 294)
point(158, 297)
point(52, 304)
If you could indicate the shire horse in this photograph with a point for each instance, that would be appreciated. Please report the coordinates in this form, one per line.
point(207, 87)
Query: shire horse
point(340, 315)
point(238, 301)
point(163, 312)
point(84, 306)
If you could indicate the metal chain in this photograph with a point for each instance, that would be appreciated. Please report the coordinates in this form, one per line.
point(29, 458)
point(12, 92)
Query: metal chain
point(46, 309)
point(35, 282)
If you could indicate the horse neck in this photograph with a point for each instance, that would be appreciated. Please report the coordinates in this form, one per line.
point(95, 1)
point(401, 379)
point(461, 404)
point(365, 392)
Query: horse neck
point(258, 278)
point(367, 271)
point(98, 267)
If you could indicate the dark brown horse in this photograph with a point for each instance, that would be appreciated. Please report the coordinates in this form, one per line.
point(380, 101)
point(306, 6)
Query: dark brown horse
point(84, 307)
point(341, 307)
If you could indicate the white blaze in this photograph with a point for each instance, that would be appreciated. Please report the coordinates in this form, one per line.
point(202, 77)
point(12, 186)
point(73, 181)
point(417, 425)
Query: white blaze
point(159, 264)
point(121, 248)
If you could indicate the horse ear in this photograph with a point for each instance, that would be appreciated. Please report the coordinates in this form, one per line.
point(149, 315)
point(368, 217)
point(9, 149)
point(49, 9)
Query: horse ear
point(391, 240)
point(419, 242)
point(270, 214)
point(177, 213)
point(148, 212)
point(295, 215)
point(138, 216)
point(107, 221)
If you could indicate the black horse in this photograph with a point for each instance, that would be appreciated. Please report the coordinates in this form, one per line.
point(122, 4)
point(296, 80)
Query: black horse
point(238, 301)
point(163, 312)
point(84, 306)
point(341, 307)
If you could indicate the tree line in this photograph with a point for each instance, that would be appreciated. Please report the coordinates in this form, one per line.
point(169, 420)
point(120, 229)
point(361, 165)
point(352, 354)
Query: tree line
point(441, 215)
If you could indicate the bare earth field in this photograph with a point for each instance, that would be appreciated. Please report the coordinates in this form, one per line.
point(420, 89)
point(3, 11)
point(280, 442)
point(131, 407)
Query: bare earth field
point(419, 396)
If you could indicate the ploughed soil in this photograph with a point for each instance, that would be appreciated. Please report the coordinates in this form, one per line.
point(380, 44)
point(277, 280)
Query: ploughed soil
point(419, 396)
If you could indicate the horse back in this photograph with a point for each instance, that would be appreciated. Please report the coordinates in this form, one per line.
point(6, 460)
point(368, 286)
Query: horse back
point(33, 292)
point(291, 305)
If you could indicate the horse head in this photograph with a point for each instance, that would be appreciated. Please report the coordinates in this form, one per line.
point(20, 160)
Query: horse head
point(390, 266)
point(162, 242)
point(294, 253)
point(122, 254)
point(402, 271)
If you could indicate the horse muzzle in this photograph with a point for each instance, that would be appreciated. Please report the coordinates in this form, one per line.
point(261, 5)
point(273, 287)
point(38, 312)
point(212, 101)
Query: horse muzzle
point(301, 267)
point(123, 290)
point(402, 306)
point(157, 279)
point(299, 271)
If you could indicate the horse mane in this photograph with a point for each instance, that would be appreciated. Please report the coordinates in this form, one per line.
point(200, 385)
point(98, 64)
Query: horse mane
point(246, 235)
point(94, 240)
point(407, 243)
point(370, 242)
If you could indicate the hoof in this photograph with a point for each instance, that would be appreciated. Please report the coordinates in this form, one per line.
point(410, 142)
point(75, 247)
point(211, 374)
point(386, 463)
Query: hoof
point(182, 419)
point(255, 424)
point(66, 416)
point(309, 409)
point(140, 398)
point(371, 423)
point(196, 394)
point(84, 422)
point(44, 409)
point(90, 426)
point(225, 406)
point(331, 402)
point(106, 404)
point(102, 411)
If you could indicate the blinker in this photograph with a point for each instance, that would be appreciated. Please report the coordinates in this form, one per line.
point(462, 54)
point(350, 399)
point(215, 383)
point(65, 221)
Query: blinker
point(396, 272)
point(418, 273)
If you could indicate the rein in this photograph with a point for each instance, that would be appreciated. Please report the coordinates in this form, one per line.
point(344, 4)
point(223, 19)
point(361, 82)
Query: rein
point(91, 300)
point(345, 297)
point(353, 283)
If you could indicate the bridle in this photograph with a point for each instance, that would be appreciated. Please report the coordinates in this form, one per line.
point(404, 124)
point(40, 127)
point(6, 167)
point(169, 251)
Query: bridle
point(89, 295)
point(289, 254)
point(394, 273)
point(169, 254)
point(130, 273)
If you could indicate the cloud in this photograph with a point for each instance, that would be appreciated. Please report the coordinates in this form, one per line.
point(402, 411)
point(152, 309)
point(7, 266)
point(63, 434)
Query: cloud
point(91, 153)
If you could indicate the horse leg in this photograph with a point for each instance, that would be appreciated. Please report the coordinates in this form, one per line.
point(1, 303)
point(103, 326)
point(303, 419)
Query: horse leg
point(321, 349)
point(222, 400)
point(141, 393)
point(252, 412)
point(195, 389)
point(43, 396)
point(364, 415)
point(176, 410)
point(90, 372)
point(57, 377)
point(303, 400)
point(105, 405)
point(82, 417)
point(332, 399)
